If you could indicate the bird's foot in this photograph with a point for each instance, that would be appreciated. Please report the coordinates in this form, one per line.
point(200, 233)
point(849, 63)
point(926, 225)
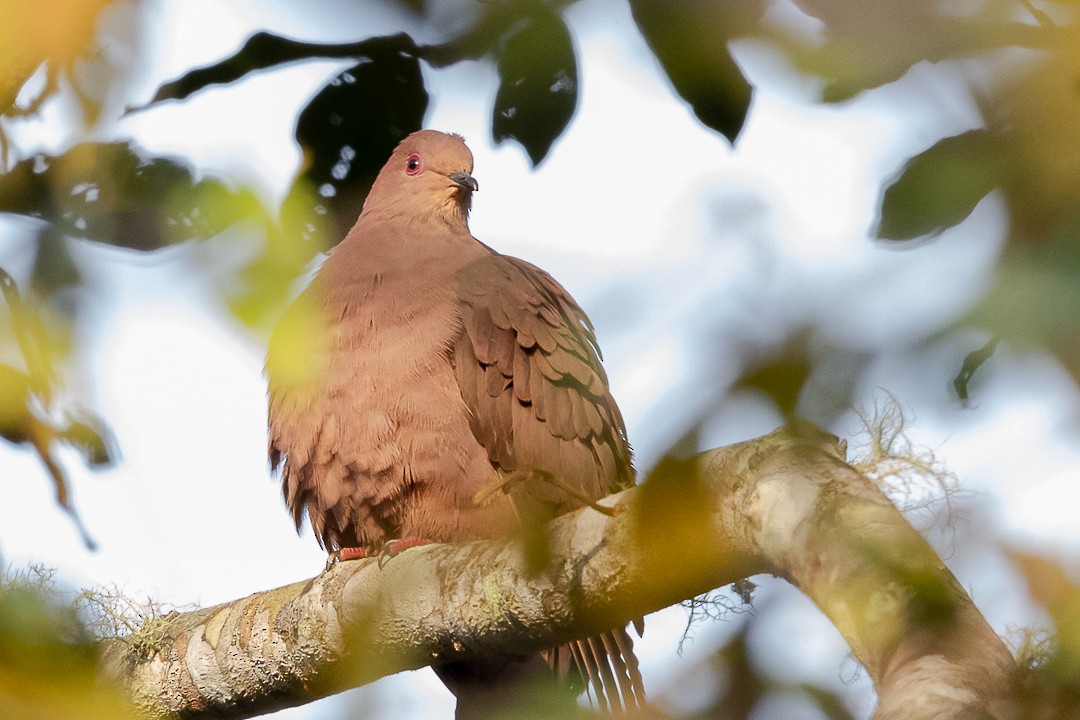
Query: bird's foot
point(347, 553)
point(388, 549)
point(392, 547)
point(352, 553)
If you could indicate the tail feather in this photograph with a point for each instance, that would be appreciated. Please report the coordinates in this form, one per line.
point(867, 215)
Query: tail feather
point(584, 672)
point(603, 666)
point(607, 692)
point(618, 665)
point(626, 653)
point(608, 668)
point(502, 687)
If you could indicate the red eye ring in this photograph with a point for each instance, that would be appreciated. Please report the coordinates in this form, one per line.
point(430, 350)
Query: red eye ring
point(414, 166)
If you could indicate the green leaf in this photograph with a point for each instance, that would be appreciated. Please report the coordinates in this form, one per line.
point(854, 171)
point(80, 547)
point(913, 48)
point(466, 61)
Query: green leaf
point(939, 187)
point(538, 84)
point(1034, 302)
point(91, 437)
point(972, 362)
point(690, 41)
point(781, 379)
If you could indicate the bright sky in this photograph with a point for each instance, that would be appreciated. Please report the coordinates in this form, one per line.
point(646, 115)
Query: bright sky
point(682, 251)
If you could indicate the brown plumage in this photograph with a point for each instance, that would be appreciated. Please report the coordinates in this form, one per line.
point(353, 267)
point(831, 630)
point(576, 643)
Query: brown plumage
point(448, 393)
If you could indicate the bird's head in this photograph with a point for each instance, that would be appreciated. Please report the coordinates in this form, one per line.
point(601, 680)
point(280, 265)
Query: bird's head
point(430, 173)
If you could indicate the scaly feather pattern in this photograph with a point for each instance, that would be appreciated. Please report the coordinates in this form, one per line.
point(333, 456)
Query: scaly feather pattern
point(425, 386)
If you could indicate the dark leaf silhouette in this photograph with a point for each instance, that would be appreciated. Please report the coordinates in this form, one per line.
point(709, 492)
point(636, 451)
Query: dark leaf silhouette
point(346, 133)
point(939, 187)
point(265, 50)
point(972, 362)
point(690, 41)
point(111, 194)
point(781, 372)
point(781, 379)
point(538, 84)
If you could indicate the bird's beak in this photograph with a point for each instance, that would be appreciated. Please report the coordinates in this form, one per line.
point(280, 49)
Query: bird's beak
point(465, 181)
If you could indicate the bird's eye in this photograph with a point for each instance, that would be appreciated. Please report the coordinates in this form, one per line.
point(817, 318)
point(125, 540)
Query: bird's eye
point(413, 165)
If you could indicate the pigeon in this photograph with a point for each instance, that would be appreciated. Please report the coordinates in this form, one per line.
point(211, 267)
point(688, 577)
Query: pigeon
point(425, 388)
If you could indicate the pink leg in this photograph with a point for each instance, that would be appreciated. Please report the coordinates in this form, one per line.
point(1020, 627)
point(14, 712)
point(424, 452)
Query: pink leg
point(393, 547)
point(351, 553)
point(388, 550)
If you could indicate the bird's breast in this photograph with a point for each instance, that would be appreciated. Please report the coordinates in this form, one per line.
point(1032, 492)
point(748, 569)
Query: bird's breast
point(384, 434)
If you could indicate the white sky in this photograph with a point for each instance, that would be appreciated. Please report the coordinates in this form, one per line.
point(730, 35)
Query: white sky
point(681, 249)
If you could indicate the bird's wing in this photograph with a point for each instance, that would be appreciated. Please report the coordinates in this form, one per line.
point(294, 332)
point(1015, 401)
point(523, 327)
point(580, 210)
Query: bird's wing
point(529, 370)
point(528, 366)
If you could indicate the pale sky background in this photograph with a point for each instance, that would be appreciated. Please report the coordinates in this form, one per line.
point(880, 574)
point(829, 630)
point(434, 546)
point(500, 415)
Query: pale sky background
point(684, 251)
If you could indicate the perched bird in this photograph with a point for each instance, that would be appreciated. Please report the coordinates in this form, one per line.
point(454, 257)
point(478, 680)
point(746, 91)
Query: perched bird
point(450, 394)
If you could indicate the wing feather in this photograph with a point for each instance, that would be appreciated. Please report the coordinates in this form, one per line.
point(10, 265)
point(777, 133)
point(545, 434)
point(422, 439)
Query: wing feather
point(534, 355)
point(522, 374)
point(529, 369)
point(482, 329)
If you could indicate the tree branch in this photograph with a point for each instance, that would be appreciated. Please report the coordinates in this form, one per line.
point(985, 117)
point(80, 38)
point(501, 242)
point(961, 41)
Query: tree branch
point(786, 503)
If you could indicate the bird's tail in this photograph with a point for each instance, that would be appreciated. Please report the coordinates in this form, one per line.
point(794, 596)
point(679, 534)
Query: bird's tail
point(501, 688)
point(604, 666)
point(607, 667)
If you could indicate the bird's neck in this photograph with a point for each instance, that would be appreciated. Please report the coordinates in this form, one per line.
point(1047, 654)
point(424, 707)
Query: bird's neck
point(388, 244)
point(447, 211)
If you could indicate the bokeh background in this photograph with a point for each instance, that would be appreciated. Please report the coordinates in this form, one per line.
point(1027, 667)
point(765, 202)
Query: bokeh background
point(824, 209)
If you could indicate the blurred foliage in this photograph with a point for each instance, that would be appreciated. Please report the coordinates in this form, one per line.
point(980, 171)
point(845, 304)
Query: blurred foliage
point(31, 414)
point(295, 355)
point(1028, 152)
point(1050, 684)
point(939, 187)
point(263, 51)
point(1021, 58)
point(781, 373)
point(112, 194)
point(972, 362)
point(48, 660)
point(864, 45)
point(743, 688)
point(538, 84)
point(690, 41)
point(53, 36)
point(346, 133)
point(672, 513)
